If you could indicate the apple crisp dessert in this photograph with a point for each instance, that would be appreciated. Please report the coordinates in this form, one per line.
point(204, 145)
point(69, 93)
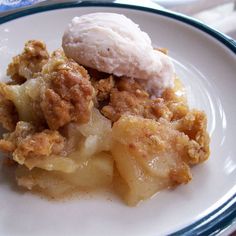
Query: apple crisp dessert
point(73, 128)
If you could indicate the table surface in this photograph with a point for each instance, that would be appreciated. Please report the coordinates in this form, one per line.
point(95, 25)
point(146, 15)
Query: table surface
point(200, 5)
point(224, 11)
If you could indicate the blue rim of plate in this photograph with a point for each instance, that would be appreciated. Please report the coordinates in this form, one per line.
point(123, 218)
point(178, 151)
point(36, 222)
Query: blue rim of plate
point(213, 223)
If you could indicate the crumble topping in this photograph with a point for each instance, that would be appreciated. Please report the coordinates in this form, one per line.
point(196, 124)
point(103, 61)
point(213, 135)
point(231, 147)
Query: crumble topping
point(29, 62)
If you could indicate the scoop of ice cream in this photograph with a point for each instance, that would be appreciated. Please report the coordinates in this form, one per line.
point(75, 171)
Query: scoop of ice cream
point(114, 44)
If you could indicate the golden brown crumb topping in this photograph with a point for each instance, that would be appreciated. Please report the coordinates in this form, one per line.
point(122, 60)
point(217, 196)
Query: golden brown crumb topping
point(130, 98)
point(68, 96)
point(29, 62)
point(68, 99)
point(103, 88)
point(8, 114)
point(43, 144)
point(194, 125)
point(26, 143)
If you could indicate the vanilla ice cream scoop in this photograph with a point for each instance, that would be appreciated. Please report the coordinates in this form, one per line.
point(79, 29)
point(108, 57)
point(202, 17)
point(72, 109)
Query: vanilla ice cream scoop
point(114, 44)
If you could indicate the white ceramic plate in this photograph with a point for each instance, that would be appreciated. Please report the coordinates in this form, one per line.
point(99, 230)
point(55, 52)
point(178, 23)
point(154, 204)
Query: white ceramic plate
point(206, 62)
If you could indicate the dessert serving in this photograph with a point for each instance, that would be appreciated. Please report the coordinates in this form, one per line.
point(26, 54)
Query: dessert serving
point(105, 111)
